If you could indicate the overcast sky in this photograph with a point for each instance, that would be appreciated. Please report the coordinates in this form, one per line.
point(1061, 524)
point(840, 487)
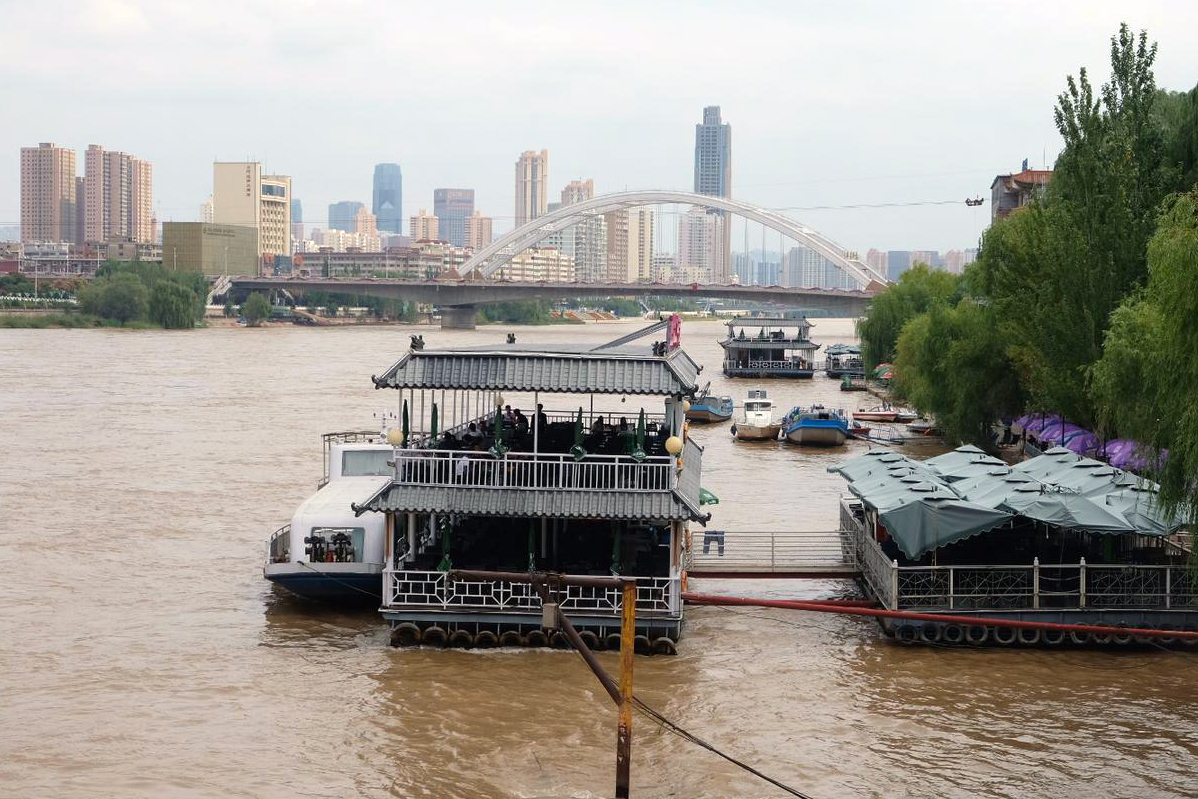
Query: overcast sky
point(856, 104)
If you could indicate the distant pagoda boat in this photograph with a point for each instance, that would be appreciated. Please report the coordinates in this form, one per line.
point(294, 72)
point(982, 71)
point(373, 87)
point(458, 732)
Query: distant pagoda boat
point(769, 347)
point(843, 360)
point(570, 490)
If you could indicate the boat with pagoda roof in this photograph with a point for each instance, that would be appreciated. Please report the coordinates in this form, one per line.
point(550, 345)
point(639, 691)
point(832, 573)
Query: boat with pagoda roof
point(843, 360)
point(769, 347)
point(587, 489)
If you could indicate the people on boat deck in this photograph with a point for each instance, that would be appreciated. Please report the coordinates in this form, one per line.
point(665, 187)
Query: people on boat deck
point(472, 434)
point(542, 419)
point(508, 416)
point(597, 427)
point(520, 422)
point(623, 424)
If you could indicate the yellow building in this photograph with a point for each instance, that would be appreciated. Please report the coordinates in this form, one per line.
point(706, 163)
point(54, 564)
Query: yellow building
point(211, 249)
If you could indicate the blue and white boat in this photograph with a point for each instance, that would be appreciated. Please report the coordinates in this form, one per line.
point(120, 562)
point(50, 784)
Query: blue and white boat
point(816, 426)
point(327, 552)
point(707, 408)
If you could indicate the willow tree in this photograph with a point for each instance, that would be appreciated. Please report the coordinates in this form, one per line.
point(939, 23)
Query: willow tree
point(917, 290)
point(952, 364)
point(1145, 382)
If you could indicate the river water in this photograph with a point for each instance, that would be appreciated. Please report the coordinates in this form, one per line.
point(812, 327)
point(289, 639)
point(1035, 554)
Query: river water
point(143, 655)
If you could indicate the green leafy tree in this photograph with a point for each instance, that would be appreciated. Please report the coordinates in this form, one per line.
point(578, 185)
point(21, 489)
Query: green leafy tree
point(1144, 382)
point(172, 305)
point(917, 290)
point(256, 309)
point(120, 297)
point(951, 363)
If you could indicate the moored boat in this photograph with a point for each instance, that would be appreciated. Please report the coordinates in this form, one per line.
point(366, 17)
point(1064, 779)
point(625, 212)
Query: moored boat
point(816, 426)
point(769, 347)
point(327, 552)
point(923, 427)
point(708, 408)
point(852, 383)
point(843, 360)
point(757, 422)
point(880, 413)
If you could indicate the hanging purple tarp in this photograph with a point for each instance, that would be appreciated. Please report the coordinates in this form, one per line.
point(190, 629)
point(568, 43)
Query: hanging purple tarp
point(1117, 448)
point(1057, 430)
point(1041, 420)
point(1082, 442)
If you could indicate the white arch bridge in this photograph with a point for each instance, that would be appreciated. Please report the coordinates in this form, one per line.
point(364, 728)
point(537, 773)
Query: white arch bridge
point(492, 257)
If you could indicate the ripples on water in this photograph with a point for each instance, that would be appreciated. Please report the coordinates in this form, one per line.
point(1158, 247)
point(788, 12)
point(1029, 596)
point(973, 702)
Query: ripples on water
point(144, 656)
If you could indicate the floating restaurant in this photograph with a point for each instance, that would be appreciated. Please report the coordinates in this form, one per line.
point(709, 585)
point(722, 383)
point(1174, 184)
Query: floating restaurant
point(567, 490)
point(769, 347)
point(1059, 538)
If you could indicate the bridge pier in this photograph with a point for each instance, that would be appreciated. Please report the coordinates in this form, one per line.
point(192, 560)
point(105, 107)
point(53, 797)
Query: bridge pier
point(457, 317)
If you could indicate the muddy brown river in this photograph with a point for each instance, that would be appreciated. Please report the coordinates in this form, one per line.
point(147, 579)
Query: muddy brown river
point(143, 655)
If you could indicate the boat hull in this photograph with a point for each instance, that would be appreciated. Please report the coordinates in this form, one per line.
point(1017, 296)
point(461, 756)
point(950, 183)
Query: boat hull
point(816, 436)
point(335, 583)
point(872, 416)
point(801, 374)
point(707, 415)
point(755, 432)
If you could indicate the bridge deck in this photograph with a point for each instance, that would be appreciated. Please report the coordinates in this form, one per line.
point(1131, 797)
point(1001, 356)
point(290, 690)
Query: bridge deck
point(781, 553)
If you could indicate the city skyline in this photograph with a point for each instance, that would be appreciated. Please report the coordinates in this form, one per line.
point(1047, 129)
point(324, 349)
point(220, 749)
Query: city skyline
point(801, 145)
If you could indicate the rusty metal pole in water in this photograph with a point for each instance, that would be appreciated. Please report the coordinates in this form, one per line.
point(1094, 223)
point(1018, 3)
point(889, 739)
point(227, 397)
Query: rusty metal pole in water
point(622, 695)
point(624, 734)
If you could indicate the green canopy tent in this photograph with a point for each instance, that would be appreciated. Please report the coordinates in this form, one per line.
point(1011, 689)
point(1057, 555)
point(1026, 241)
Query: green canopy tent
point(1140, 507)
point(925, 517)
point(874, 462)
point(992, 488)
point(1067, 511)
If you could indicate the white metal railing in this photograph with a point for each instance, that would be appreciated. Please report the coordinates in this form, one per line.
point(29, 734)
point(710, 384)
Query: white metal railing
point(878, 571)
point(795, 365)
point(1069, 585)
point(540, 470)
point(431, 589)
point(278, 549)
point(775, 551)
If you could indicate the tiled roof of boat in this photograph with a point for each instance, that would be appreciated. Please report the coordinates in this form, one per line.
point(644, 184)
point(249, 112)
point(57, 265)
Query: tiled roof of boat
point(622, 370)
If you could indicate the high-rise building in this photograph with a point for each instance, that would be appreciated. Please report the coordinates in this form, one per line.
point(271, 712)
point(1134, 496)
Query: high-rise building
point(118, 196)
point(702, 237)
point(342, 214)
point(242, 195)
point(713, 155)
point(365, 223)
point(590, 249)
point(538, 263)
point(80, 211)
point(955, 261)
point(453, 207)
point(48, 210)
point(629, 245)
point(532, 175)
point(424, 226)
point(387, 204)
point(897, 262)
point(578, 191)
point(297, 222)
point(876, 260)
point(208, 211)
point(713, 177)
point(478, 231)
point(929, 257)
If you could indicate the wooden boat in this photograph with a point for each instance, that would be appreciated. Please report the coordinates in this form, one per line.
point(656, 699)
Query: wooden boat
point(757, 421)
point(852, 383)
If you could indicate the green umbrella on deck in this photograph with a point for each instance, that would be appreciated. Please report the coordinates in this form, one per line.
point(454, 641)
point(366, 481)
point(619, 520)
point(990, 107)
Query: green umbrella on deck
point(638, 449)
point(498, 449)
point(577, 451)
point(405, 423)
point(433, 438)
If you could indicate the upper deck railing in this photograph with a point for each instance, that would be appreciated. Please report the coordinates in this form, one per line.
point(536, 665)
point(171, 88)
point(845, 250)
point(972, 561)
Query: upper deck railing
point(541, 470)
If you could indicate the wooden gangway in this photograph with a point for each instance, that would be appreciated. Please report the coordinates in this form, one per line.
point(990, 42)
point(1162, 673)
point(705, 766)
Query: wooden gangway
point(789, 553)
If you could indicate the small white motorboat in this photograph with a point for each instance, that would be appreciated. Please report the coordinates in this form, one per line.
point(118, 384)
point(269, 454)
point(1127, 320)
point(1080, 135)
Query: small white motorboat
point(757, 422)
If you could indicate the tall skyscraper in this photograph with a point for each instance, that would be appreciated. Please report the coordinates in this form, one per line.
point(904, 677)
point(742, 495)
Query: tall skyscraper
point(387, 205)
point(478, 231)
point(897, 262)
point(208, 211)
point(629, 245)
point(713, 155)
point(453, 207)
point(297, 222)
point(532, 175)
point(701, 238)
point(366, 223)
point(48, 193)
point(242, 195)
point(119, 196)
point(713, 176)
point(342, 215)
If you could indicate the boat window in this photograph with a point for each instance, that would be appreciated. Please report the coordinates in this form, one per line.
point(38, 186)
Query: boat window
point(755, 406)
point(366, 463)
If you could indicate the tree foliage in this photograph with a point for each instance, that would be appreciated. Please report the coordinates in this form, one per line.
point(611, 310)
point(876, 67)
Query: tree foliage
point(951, 363)
point(120, 297)
point(1144, 383)
point(172, 305)
point(256, 309)
point(917, 290)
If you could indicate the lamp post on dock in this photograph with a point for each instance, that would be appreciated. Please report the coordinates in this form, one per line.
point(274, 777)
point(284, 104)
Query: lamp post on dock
point(620, 694)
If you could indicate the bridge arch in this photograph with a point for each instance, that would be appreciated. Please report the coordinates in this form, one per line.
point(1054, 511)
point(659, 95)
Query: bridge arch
point(490, 258)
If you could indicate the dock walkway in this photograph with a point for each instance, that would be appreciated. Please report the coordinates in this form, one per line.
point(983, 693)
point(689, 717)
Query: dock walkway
point(790, 553)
